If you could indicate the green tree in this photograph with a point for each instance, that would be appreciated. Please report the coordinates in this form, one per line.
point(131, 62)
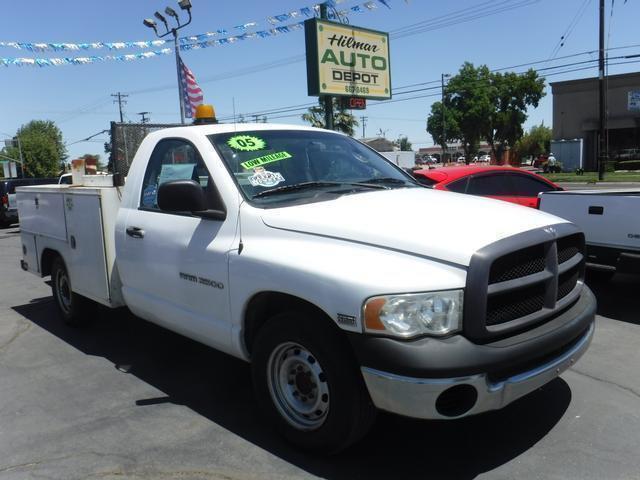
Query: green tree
point(43, 151)
point(513, 94)
point(343, 121)
point(481, 105)
point(535, 142)
point(403, 144)
point(434, 125)
point(469, 96)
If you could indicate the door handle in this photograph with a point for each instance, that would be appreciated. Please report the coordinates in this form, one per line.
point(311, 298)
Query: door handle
point(135, 232)
point(595, 210)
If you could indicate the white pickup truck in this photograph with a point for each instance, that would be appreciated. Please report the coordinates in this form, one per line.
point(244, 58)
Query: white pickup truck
point(300, 250)
point(610, 220)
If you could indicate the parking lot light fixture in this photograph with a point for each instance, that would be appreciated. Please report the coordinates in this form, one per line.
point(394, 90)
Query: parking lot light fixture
point(149, 22)
point(172, 13)
point(185, 5)
point(161, 17)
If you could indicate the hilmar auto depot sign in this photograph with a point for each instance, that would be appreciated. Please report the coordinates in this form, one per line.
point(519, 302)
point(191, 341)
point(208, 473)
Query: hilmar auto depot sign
point(343, 60)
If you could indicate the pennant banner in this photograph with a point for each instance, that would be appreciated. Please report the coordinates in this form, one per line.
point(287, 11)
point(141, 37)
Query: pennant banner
point(273, 20)
point(192, 42)
point(56, 62)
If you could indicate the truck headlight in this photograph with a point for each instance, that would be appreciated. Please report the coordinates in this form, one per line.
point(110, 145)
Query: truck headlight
point(412, 314)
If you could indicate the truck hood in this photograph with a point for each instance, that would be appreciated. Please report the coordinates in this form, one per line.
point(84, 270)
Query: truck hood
point(443, 226)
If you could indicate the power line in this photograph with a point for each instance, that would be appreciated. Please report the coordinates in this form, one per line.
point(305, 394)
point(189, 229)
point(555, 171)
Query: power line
point(479, 10)
point(302, 107)
point(565, 36)
point(401, 32)
point(462, 16)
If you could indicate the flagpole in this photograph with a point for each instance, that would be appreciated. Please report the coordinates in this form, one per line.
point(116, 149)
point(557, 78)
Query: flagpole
point(180, 88)
point(180, 95)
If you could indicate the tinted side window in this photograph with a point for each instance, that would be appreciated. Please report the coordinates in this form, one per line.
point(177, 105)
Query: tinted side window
point(459, 186)
point(496, 185)
point(173, 159)
point(526, 186)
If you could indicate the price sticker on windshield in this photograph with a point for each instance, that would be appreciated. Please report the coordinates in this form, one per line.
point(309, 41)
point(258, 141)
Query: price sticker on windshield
point(246, 143)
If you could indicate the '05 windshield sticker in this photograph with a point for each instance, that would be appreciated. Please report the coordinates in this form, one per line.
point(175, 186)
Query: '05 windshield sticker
point(246, 143)
point(265, 178)
point(272, 157)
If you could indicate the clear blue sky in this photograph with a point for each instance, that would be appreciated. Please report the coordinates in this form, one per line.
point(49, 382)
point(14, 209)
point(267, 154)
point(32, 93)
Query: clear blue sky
point(78, 98)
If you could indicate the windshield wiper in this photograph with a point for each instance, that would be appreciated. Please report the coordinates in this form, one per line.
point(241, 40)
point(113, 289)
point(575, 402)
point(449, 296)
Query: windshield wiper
point(316, 184)
point(396, 181)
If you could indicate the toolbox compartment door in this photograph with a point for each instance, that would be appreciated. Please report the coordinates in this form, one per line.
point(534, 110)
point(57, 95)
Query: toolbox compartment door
point(87, 263)
point(42, 213)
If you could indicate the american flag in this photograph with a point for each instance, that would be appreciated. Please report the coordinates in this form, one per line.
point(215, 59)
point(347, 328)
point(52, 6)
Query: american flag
point(192, 95)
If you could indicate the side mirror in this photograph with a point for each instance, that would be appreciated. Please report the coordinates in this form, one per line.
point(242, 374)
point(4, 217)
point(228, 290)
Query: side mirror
point(181, 196)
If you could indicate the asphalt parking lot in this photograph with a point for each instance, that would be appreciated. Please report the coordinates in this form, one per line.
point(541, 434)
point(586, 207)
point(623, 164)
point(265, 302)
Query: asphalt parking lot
point(123, 398)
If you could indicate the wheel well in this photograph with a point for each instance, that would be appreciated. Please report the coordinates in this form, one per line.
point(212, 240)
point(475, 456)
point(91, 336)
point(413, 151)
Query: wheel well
point(265, 305)
point(48, 256)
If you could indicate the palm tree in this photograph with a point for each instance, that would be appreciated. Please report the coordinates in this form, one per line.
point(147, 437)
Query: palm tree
point(343, 121)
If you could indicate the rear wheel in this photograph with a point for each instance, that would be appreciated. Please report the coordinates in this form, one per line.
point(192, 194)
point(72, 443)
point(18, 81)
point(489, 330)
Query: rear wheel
point(307, 383)
point(73, 308)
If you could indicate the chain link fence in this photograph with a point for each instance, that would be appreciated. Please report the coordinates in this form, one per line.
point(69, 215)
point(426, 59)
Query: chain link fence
point(125, 140)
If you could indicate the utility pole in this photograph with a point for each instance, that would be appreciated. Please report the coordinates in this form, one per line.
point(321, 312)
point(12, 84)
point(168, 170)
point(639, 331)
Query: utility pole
point(120, 102)
point(364, 125)
point(143, 117)
point(602, 148)
point(444, 127)
point(327, 99)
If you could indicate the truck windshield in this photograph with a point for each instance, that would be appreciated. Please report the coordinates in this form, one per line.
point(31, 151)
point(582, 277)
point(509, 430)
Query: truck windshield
point(274, 166)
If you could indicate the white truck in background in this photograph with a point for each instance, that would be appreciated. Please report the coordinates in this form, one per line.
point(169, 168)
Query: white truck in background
point(610, 220)
point(402, 159)
point(298, 250)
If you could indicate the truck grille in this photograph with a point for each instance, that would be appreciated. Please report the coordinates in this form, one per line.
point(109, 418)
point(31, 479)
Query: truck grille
point(536, 277)
point(519, 264)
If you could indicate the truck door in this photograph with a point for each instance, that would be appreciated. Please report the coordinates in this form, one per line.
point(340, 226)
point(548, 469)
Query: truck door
point(173, 266)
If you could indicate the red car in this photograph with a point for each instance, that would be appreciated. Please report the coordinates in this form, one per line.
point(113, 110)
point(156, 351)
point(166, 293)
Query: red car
point(504, 183)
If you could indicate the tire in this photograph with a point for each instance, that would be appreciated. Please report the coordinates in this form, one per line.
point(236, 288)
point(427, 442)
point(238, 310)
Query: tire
point(74, 309)
point(308, 384)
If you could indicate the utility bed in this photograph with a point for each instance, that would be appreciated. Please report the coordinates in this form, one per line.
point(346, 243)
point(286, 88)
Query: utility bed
point(78, 222)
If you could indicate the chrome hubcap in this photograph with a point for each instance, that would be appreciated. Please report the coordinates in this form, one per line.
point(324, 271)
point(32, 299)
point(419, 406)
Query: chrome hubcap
point(298, 386)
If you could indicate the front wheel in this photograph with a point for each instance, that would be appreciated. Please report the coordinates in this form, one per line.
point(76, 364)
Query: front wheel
point(73, 308)
point(308, 384)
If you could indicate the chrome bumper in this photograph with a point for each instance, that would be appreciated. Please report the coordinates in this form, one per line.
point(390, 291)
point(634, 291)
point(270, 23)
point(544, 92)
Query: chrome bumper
point(417, 397)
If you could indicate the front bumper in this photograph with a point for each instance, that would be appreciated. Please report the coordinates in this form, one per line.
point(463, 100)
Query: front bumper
point(477, 392)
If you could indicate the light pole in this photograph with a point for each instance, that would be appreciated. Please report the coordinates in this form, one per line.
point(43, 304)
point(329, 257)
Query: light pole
point(444, 128)
point(151, 23)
